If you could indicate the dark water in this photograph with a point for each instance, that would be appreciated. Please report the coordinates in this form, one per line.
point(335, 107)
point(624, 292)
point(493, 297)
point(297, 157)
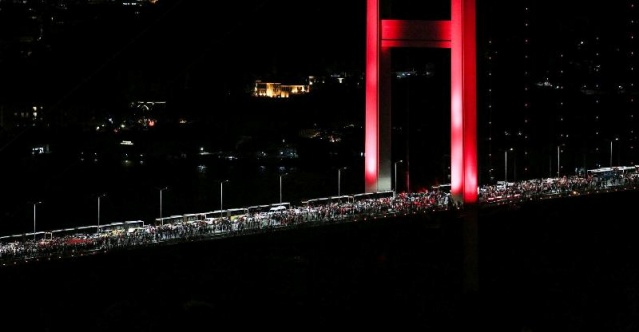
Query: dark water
point(83, 166)
point(561, 265)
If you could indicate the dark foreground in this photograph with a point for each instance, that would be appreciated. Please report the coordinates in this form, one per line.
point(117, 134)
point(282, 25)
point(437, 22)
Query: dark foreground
point(567, 264)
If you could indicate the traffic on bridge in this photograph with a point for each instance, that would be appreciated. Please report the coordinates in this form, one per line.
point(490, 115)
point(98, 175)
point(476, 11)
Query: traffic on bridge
point(89, 240)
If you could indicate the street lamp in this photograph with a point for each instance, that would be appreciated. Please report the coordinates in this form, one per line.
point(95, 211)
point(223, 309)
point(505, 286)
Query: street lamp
point(34, 219)
point(281, 176)
point(506, 167)
point(281, 187)
point(99, 196)
point(222, 196)
point(610, 153)
point(161, 190)
point(616, 139)
point(558, 161)
point(395, 184)
point(339, 180)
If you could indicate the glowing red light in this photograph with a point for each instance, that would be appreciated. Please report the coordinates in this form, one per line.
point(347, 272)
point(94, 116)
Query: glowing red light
point(458, 34)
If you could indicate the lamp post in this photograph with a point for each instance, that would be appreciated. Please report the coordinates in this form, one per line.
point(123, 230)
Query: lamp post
point(34, 219)
point(616, 139)
point(161, 190)
point(222, 196)
point(339, 180)
point(99, 196)
point(395, 184)
point(506, 167)
point(610, 153)
point(558, 161)
point(281, 188)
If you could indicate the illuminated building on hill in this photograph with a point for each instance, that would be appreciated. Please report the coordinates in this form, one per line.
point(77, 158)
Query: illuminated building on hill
point(278, 90)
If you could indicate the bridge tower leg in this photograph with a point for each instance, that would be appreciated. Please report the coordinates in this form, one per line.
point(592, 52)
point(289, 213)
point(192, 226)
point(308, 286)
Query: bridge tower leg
point(458, 34)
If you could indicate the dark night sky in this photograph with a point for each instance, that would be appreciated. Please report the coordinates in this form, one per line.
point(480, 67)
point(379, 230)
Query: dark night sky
point(99, 53)
point(175, 43)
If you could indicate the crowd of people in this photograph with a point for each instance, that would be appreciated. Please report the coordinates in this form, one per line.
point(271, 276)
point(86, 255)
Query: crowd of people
point(317, 213)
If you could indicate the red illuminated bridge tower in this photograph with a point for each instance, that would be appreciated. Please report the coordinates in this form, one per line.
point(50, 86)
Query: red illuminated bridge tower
point(457, 34)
